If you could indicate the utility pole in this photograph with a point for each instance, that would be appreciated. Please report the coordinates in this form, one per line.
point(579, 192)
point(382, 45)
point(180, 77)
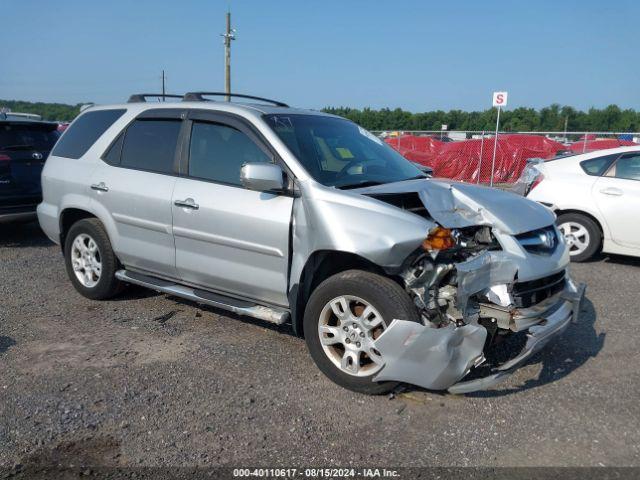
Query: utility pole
point(228, 36)
point(163, 89)
point(495, 147)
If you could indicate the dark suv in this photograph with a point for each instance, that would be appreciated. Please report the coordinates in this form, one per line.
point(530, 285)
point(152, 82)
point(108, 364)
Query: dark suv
point(25, 143)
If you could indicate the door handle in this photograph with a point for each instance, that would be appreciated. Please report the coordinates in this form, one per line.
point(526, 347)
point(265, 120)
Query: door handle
point(616, 192)
point(100, 187)
point(188, 203)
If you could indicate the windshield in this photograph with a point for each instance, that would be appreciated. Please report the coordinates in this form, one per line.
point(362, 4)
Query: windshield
point(339, 153)
point(27, 137)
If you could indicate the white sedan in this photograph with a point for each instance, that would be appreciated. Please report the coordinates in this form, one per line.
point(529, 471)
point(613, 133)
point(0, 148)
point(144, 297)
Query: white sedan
point(596, 197)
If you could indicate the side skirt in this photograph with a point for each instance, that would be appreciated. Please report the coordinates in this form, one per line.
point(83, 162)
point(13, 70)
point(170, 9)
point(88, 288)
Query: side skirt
point(240, 307)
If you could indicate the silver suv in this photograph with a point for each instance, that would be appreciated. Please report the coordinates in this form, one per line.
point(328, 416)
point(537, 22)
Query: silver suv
point(289, 215)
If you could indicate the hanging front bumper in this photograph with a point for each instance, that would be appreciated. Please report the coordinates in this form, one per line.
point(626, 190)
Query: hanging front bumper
point(554, 321)
point(439, 358)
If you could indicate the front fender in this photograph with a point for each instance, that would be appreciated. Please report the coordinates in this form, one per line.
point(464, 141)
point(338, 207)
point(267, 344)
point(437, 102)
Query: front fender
point(329, 220)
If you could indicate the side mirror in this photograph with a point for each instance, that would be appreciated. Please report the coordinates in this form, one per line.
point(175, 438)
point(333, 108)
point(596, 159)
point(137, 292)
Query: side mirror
point(264, 177)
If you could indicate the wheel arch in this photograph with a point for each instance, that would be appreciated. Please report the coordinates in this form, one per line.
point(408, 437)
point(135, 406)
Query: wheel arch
point(72, 214)
point(321, 265)
point(68, 217)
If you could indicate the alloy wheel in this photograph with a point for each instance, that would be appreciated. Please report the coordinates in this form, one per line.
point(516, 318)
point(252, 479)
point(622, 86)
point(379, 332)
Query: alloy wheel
point(576, 236)
point(86, 260)
point(347, 329)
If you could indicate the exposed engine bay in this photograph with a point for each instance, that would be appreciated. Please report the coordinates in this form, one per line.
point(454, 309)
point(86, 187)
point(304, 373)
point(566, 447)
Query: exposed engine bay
point(432, 278)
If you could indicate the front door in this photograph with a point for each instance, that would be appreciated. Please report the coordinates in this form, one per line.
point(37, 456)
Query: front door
point(617, 195)
point(228, 238)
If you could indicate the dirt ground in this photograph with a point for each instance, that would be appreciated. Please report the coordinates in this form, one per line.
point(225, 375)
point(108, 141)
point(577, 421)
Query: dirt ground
point(148, 379)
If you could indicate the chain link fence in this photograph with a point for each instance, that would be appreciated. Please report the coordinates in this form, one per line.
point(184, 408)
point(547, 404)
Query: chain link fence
point(475, 156)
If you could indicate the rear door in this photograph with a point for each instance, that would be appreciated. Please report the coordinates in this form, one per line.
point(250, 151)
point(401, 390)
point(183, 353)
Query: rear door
point(617, 195)
point(24, 147)
point(134, 184)
point(228, 238)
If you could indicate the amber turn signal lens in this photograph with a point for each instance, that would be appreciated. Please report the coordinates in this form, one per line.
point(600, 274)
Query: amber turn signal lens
point(439, 239)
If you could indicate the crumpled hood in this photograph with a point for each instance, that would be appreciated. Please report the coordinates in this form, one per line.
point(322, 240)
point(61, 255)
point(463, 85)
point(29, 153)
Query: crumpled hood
point(455, 204)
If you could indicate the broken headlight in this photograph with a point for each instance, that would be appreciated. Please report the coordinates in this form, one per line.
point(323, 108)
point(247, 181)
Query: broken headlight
point(439, 238)
point(471, 239)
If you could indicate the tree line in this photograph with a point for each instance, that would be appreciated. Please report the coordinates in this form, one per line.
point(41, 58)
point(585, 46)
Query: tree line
point(58, 112)
point(551, 118)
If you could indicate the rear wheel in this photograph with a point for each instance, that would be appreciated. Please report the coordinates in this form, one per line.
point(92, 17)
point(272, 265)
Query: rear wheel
point(344, 317)
point(90, 261)
point(582, 235)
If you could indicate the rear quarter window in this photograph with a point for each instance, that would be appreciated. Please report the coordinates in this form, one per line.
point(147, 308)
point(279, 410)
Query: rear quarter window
point(597, 166)
point(82, 133)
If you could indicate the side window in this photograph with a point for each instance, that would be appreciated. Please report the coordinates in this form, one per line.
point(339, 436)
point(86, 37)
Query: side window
point(151, 145)
point(628, 167)
point(84, 131)
point(597, 166)
point(217, 152)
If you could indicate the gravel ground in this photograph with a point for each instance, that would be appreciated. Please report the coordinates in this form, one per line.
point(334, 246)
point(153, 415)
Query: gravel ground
point(148, 379)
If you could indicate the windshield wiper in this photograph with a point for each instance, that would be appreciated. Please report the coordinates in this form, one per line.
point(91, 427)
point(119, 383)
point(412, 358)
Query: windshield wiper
point(17, 147)
point(372, 183)
point(417, 177)
point(364, 183)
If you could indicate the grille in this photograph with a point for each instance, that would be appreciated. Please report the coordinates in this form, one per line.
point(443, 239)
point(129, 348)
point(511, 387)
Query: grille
point(526, 294)
point(542, 241)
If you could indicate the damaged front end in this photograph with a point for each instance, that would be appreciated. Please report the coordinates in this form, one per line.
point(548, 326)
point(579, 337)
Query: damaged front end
point(480, 265)
point(473, 291)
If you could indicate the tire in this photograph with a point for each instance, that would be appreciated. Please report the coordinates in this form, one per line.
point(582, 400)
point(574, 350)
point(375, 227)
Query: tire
point(90, 232)
point(582, 234)
point(387, 301)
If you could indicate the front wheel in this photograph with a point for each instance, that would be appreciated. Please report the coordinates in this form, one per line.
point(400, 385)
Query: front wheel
point(582, 235)
point(342, 320)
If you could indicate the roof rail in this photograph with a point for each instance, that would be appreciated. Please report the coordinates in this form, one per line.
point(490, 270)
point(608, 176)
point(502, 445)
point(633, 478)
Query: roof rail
point(199, 97)
point(142, 97)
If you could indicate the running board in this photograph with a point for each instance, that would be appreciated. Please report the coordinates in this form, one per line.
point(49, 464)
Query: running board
point(241, 307)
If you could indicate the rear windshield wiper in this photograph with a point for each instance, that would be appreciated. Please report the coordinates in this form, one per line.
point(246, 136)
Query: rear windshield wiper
point(17, 147)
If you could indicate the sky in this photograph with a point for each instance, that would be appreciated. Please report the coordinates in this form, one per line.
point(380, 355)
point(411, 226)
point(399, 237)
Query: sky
point(416, 55)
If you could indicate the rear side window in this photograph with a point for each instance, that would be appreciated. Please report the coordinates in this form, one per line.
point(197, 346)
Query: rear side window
point(151, 145)
point(217, 152)
point(597, 166)
point(79, 137)
point(628, 167)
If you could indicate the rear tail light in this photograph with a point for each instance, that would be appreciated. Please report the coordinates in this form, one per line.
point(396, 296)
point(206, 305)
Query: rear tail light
point(536, 181)
point(4, 162)
point(5, 166)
